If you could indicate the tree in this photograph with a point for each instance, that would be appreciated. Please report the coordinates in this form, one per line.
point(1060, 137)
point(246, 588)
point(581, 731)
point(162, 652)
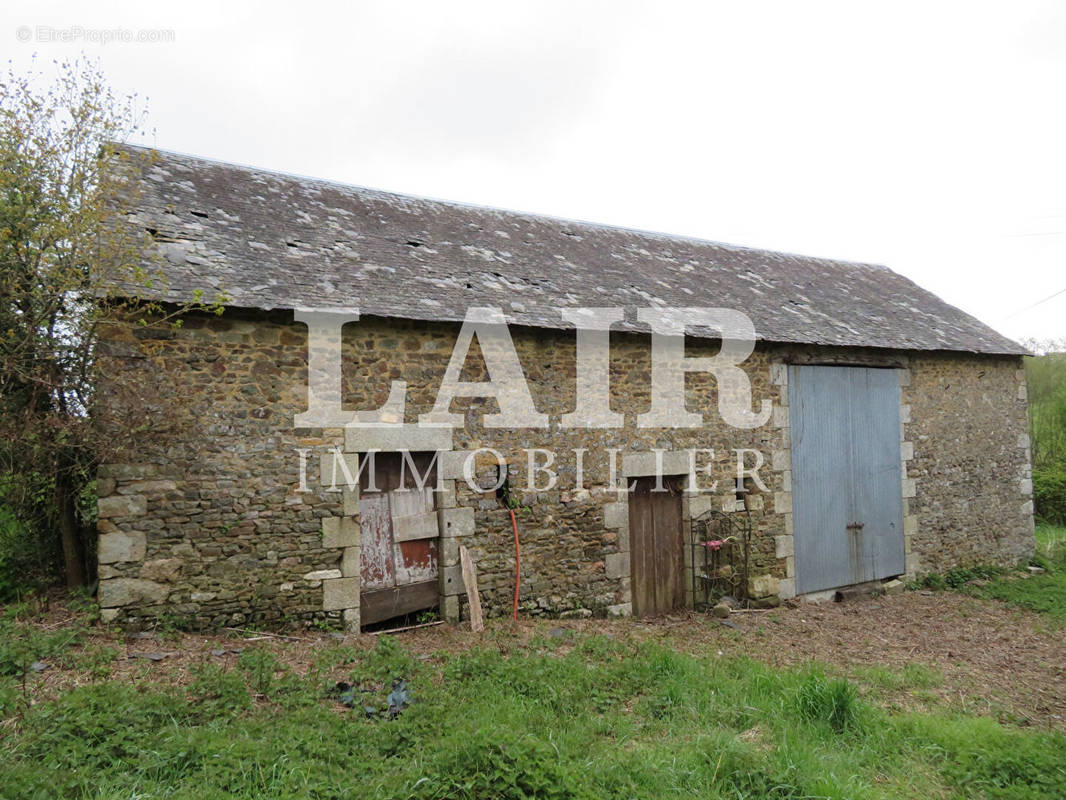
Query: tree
point(1046, 379)
point(63, 253)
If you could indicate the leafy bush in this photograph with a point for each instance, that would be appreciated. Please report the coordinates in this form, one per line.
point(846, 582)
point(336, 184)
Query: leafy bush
point(958, 577)
point(1049, 494)
point(18, 557)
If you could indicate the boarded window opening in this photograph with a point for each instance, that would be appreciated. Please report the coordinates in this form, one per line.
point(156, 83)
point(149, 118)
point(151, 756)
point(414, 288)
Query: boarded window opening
point(398, 560)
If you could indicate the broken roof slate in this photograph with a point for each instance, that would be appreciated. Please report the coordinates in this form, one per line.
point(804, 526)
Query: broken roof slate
point(274, 241)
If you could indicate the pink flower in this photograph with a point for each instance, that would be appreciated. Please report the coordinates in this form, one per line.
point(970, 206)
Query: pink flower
point(714, 544)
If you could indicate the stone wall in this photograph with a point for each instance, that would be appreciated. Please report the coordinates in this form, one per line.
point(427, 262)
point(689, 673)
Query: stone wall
point(201, 519)
point(972, 491)
point(206, 518)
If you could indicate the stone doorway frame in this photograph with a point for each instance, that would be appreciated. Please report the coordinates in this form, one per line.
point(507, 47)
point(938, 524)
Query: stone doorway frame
point(341, 588)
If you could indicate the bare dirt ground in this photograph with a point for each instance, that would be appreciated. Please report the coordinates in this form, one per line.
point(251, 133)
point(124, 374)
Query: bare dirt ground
point(992, 659)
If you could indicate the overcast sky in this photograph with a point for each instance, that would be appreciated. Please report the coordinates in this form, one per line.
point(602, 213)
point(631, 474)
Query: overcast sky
point(927, 136)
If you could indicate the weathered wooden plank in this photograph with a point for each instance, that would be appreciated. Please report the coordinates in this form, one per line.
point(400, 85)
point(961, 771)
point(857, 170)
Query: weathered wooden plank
point(416, 561)
point(388, 603)
point(377, 567)
point(415, 526)
point(669, 568)
point(415, 533)
point(642, 543)
point(411, 502)
point(472, 596)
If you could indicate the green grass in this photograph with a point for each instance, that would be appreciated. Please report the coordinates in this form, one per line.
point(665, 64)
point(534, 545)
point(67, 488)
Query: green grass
point(913, 676)
point(1051, 542)
point(1045, 593)
point(587, 718)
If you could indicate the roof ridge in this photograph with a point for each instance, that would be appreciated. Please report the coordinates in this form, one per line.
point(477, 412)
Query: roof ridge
point(534, 215)
point(277, 240)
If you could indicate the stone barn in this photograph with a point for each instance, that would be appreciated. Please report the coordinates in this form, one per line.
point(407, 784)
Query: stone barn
point(885, 436)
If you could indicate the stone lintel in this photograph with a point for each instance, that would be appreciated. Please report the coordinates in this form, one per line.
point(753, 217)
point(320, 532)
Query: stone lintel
point(393, 438)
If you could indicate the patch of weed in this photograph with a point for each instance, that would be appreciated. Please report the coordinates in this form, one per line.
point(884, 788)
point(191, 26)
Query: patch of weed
point(913, 676)
point(94, 661)
point(832, 701)
point(218, 688)
point(960, 576)
point(259, 664)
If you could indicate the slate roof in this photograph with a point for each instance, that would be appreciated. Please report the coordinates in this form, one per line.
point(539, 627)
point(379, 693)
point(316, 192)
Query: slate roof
point(280, 241)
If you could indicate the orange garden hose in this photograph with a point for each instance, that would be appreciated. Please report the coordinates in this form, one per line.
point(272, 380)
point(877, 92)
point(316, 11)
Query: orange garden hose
point(517, 565)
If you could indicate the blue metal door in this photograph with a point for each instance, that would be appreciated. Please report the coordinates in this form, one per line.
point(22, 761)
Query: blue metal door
point(846, 475)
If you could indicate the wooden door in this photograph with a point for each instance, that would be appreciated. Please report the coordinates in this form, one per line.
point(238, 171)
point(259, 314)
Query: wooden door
point(656, 546)
point(399, 539)
point(846, 475)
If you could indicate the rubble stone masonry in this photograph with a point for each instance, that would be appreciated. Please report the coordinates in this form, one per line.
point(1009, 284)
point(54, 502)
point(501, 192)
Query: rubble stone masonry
point(205, 520)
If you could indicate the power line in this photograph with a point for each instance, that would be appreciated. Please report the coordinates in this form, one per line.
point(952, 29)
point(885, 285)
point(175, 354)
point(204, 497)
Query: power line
point(1037, 303)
